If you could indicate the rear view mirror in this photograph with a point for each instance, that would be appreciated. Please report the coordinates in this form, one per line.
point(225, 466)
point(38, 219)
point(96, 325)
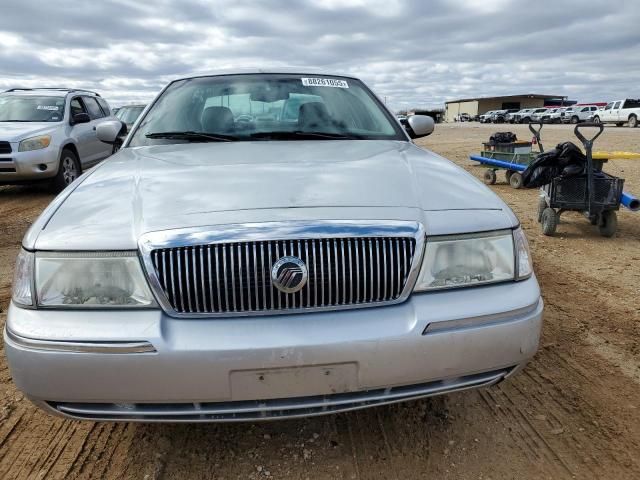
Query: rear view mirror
point(420, 126)
point(80, 118)
point(109, 131)
point(268, 95)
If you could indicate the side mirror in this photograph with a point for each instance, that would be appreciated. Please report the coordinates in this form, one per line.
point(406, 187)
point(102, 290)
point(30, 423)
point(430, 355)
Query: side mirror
point(420, 126)
point(80, 118)
point(109, 131)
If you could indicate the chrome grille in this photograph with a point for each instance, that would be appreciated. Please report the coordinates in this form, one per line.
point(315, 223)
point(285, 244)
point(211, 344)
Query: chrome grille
point(235, 277)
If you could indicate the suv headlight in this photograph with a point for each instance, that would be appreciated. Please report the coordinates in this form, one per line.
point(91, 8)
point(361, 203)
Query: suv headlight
point(454, 261)
point(81, 280)
point(34, 143)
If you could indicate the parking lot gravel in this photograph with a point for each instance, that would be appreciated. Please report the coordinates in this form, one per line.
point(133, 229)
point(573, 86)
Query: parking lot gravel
point(574, 412)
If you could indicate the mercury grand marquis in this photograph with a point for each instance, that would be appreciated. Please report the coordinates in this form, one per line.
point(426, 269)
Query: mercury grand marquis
point(268, 246)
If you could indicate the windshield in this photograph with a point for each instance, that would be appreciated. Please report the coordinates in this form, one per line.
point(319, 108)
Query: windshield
point(264, 107)
point(28, 108)
point(129, 114)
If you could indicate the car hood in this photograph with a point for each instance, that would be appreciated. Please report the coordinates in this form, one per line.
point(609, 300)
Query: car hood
point(145, 189)
point(16, 131)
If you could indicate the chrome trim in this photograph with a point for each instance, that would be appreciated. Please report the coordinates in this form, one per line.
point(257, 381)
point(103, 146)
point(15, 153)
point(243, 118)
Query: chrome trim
point(112, 347)
point(239, 411)
point(295, 230)
point(481, 321)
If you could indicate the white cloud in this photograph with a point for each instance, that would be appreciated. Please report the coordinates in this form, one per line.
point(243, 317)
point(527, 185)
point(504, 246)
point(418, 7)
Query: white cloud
point(410, 51)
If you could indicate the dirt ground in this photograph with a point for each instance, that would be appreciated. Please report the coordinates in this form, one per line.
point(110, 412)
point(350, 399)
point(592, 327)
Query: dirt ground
point(574, 412)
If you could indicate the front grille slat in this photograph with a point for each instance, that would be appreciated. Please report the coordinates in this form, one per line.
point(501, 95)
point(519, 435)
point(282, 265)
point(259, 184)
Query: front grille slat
point(5, 147)
point(227, 278)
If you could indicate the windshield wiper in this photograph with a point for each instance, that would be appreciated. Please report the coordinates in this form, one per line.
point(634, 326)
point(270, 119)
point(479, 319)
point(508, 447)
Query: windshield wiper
point(192, 136)
point(299, 134)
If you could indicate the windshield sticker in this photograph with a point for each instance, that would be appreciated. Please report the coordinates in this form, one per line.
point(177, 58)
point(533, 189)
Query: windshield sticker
point(324, 82)
point(48, 107)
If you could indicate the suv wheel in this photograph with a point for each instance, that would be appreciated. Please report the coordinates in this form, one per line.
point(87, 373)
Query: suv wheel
point(596, 119)
point(575, 119)
point(633, 121)
point(68, 170)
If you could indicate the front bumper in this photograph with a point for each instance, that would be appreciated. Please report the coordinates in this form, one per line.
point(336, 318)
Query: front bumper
point(275, 366)
point(28, 166)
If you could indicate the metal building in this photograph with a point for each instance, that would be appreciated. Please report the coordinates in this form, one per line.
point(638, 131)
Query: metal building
point(480, 105)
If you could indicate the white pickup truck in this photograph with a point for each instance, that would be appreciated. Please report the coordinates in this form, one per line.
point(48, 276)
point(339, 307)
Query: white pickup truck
point(620, 112)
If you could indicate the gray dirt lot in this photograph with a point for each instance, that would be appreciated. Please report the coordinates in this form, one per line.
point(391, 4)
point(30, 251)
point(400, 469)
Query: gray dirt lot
point(572, 413)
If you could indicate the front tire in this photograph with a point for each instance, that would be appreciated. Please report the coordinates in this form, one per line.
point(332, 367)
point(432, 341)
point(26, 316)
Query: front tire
point(596, 119)
point(574, 119)
point(68, 170)
point(515, 180)
point(542, 205)
point(549, 221)
point(633, 121)
point(489, 177)
point(608, 223)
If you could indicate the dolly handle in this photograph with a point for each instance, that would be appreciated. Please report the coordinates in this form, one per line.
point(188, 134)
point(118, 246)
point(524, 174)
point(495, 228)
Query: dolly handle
point(536, 132)
point(588, 142)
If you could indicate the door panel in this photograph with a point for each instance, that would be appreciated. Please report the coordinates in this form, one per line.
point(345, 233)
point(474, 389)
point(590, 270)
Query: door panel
point(82, 132)
point(99, 150)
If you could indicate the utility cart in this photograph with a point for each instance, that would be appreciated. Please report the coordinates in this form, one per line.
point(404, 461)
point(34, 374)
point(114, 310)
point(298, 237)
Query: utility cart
point(519, 152)
point(595, 194)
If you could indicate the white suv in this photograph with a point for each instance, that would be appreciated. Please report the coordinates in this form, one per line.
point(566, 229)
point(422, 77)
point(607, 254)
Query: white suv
point(50, 134)
point(579, 113)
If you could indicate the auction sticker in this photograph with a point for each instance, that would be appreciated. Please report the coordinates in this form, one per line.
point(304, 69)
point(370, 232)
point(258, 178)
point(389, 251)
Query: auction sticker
point(53, 108)
point(324, 82)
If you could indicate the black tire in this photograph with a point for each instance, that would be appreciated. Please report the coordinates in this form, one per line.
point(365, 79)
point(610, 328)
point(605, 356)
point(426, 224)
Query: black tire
point(515, 180)
point(526, 120)
point(633, 121)
point(549, 221)
point(596, 119)
point(619, 124)
point(68, 170)
point(542, 205)
point(508, 174)
point(575, 120)
point(489, 177)
point(608, 223)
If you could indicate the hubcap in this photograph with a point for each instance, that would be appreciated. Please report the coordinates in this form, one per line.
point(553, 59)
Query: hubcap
point(69, 170)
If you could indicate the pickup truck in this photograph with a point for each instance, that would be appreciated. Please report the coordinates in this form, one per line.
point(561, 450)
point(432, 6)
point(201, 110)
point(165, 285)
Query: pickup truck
point(620, 112)
point(486, 117)
point(554, 115)
point(533, 116)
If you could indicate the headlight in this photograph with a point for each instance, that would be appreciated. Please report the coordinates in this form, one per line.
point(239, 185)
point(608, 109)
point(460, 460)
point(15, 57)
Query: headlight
point(524, 265)
point(34, 143)
point(454, 261)
point(23, 279)
point(91, 280)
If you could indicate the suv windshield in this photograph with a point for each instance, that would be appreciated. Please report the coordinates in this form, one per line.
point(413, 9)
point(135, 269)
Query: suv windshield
point(29, 108)
point(264, 107)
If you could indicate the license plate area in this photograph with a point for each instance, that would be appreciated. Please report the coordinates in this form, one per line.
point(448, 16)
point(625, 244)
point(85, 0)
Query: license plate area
point(293, 381)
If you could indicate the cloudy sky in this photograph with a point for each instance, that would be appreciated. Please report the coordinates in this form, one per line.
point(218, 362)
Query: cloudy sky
point(414, 52)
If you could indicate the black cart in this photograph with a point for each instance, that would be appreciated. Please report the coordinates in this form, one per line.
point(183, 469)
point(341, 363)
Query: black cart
point(596, 194)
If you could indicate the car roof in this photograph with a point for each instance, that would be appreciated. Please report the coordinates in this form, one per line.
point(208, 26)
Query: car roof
point(279, 71)
point(50, 92)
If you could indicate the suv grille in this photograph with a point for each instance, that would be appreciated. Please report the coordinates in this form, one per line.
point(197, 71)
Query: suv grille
point(236, 277)
point(5, 147)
